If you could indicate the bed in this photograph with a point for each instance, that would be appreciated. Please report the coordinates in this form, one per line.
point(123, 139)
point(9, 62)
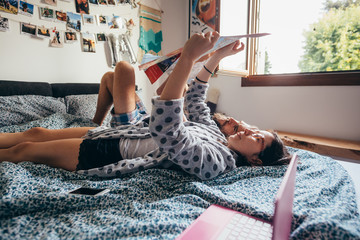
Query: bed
point(153, 204)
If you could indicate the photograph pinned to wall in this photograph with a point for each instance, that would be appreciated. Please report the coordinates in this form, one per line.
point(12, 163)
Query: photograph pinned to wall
point(116, 22)
point(4, 24)
point(102, 2)
point(100, 37)
point(111, 3)
point(56, 38)
point(47, 13)
point(9, 6)
point(82, 6)
point(43, 32)
point(95, 2)
point(204, 16)
point(88, 42)
point(26, 9)
point(102, 20)
point(28, 29)
point(70, 37)
point(60, 16)
point(88, 19)
point(51, 2)
point(73, 21)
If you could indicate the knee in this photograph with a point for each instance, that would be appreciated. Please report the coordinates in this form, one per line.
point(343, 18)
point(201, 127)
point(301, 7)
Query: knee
point(107, 78)
point(124, 67)
point(17, 153)
point(35, 132)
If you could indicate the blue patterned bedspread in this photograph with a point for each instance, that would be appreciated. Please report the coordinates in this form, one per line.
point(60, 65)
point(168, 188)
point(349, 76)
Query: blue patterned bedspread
point(160, 204)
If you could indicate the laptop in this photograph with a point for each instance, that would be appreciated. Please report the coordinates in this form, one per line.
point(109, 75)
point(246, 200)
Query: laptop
point(218, 222)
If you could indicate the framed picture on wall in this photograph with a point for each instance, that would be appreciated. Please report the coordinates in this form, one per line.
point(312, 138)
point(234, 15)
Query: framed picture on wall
point(26, 9)
point(88, 42)
point(29, 29)
point(56, 39)
point(4, 24)
point(43, 32)
point(70, 37)
point(73, 21)
point(204, 16)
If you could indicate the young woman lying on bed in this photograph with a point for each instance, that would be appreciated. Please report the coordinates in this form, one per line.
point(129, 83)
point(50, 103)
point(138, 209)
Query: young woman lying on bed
point(137, 141)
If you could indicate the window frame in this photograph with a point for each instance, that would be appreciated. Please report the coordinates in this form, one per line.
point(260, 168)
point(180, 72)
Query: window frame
point(251, 79)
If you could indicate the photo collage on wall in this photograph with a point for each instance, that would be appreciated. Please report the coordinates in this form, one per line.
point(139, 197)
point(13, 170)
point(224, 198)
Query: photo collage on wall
point(73, 21)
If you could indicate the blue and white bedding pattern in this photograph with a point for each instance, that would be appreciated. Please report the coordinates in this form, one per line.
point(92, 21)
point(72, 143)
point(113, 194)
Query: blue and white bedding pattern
point(161, 203)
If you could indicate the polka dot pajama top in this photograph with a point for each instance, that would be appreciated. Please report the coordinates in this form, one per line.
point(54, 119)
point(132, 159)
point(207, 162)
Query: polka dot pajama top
point(195, 145)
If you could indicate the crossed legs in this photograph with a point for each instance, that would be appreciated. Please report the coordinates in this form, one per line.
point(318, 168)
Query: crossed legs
point(60, 148)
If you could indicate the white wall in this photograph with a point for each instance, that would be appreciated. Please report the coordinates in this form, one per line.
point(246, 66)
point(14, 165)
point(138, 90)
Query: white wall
point(324, 111)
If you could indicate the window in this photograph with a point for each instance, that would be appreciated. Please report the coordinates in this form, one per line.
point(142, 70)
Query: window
point(307, 36)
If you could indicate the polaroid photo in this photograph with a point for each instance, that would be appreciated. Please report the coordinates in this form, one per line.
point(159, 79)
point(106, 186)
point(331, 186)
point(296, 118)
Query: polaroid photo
point(111, 2)
point(26, 9)
point(4, 24)
point(73, 21)
point(95, 2)
point(100, 37)
point(47, 13)
point(43, 32)
point(70, 37)
point(116, 22)
point(56, 39)
point(9, 6)
point(88, 42)
point(102, 20)
point(88, 19)
point(51, 2)
point(28, 29)
point(102, 2)
point(82, 6)
point(60, 16)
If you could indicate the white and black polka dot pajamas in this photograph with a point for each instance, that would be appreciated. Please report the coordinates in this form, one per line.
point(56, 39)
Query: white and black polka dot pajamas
point(194, 145)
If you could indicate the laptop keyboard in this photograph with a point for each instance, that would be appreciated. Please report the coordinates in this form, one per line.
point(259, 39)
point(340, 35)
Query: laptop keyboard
point(244, 227)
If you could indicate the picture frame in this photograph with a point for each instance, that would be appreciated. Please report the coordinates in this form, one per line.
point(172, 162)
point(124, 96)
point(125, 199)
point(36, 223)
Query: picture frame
point(94, 2)
point(88, 42)
point(115, 22)
point(102, 20)
point(204, 16)
point(70, 37)
point(88, 19)
point(46, 13)
point(28, 29)
point(4, 24)
point(56, 39)
point(82, 6)
point(73, 22)
point(102, 3)
point(51, 2)
point(100, 37)
point(9, 6)
point(43, 32)
point(60, 16)
point(26, 8)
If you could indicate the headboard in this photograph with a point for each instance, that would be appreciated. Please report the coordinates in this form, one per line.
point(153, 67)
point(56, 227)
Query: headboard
point(9, 88)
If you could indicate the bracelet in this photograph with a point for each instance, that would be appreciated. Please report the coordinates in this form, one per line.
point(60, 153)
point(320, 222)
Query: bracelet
point(212, 74)
point(200, 80)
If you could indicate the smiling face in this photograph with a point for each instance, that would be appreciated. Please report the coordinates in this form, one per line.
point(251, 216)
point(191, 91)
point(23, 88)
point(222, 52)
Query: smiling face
point(246, 139)
point(250, 143)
